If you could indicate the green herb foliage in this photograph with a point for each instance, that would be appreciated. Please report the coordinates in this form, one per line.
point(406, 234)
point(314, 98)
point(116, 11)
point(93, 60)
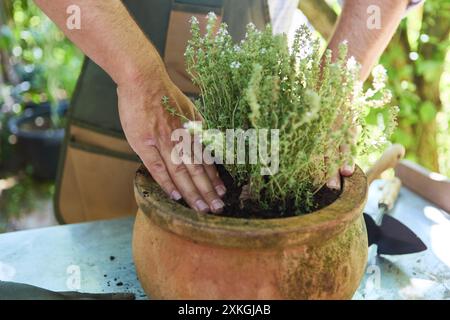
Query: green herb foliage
point(314, 102)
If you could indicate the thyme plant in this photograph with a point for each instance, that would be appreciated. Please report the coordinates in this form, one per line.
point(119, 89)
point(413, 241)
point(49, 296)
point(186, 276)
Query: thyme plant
point(313, 101)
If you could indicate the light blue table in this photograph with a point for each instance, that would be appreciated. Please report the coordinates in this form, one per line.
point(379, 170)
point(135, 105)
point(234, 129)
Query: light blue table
point(89, 257)
point(96, 257)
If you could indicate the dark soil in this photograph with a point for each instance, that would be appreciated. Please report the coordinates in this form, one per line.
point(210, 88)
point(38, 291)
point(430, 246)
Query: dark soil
point(250, 210)
point(235, 208)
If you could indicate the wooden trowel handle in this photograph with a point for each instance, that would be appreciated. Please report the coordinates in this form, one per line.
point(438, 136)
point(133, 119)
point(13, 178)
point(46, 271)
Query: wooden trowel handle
point(390, 193)
point(388, 160)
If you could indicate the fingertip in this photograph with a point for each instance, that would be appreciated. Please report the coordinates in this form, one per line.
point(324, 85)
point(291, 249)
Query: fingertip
point(175, 195)
point(347, 170)
point(334, 183)
point(221, 190)
point(201, 206)
point(217, 206)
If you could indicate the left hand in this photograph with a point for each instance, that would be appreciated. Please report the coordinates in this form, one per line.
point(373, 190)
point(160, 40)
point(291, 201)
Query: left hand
point(347, 169)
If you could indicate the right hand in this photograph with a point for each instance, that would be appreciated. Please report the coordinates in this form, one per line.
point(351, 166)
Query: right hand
point(148, 127)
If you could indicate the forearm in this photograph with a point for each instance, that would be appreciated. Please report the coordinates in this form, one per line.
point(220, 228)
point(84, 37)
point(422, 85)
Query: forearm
point(364, 43)
point(109, 36)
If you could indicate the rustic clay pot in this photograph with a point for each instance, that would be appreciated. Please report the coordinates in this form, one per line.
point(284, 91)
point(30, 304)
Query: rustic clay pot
point(182, 254)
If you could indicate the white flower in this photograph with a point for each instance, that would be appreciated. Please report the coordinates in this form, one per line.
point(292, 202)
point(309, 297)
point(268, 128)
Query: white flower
point(211, 16)
point(235, 65)
point(222, 32)
point(211, 19)
point(379, 77)
point(263, 50)
point(352, 64)
point(219, 39)
point(236, 48)
point(193, 20)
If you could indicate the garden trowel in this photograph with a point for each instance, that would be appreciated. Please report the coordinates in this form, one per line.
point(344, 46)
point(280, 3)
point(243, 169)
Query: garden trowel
point(390, 235)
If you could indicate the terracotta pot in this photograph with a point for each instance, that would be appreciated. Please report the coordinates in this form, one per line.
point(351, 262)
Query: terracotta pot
point(182, 254)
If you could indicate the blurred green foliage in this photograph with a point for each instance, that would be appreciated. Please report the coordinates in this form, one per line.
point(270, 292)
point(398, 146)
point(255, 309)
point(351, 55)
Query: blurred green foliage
point(417, 69)
point(38, 64)
point(418, 64)
point(21, 198)
point(46, 63)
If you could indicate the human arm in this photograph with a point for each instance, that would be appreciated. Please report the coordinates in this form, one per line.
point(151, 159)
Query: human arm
point(112, 39)
point(366, 42)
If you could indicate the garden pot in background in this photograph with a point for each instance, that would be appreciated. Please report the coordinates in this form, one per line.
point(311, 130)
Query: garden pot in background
point(38, 143)
point(182, 254)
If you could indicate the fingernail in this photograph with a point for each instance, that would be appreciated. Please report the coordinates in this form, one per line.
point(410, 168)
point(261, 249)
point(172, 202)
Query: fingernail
point(217, 205)
point(334, 184)
point(175, 195)
point(347, 169)
point(221, 190)
point(201, 206)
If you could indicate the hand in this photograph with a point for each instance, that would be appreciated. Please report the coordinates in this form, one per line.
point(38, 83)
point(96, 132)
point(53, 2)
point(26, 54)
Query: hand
point(20, 291)
point(148, 127)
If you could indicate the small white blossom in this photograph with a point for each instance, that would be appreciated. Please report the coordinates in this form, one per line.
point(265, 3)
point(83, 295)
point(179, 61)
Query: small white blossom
point(211, 16)
point(352, 64)
point(211, 19)
point(379, 77)
point(219, 39)
point(236, 48)
point(193, 20)
point(235, 65)
point(263, 50)
point(251, 26)
point(222, 32)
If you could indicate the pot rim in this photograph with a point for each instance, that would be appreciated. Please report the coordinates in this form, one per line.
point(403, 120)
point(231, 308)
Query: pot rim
point(216, 230)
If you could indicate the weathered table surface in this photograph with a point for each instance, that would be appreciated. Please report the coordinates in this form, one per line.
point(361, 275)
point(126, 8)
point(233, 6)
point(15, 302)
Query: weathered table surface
point(96, 257)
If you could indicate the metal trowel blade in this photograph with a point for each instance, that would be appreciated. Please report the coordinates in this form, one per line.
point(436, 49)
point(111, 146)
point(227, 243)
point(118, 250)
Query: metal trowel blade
point(392, 237)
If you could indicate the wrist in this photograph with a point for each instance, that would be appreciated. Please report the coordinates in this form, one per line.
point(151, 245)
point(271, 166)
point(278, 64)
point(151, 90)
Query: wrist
point(142, 70)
